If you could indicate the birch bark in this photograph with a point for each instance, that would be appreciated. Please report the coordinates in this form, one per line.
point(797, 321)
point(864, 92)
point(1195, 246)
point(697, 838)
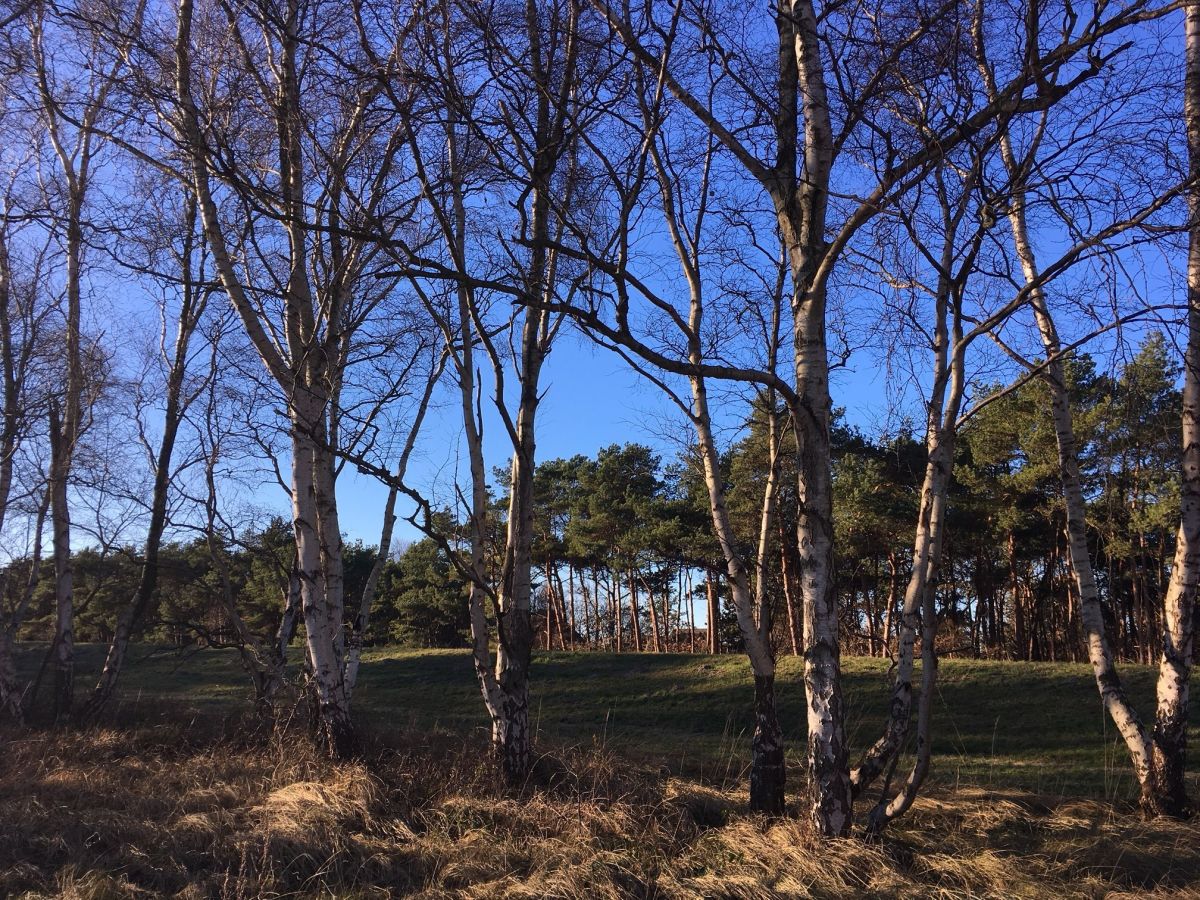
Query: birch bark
point(1179, 614)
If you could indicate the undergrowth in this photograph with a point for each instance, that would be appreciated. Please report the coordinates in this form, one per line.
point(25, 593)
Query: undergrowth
point(167, 811)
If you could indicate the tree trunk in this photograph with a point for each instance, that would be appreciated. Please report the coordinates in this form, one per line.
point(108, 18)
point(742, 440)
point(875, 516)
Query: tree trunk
point(710, 592)
point(788, 594)
point(511, 728)
point(131, 616)
point(884, 811)
point(1179, 614)
point(11, 695)
point(614, 608)
point(767, 771)
point(358, 632)
point(767, 774)
point(655, 647)
point(893, 595)
point(64, 600)
point(320, 592)
point(944, 404)
point(1108, 682)
point(1020, 649)
point(635, 624)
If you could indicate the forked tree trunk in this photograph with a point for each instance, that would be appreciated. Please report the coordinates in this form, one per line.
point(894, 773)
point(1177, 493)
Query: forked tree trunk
point(322, 620)
point(302, 376)
point(66, 421)
point(885, 811)
point(945, 400)
point(801, 206)
point(511, 726)
point(921, 585)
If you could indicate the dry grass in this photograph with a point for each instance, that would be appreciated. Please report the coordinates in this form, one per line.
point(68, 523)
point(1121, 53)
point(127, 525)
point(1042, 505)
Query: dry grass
point(155, 812)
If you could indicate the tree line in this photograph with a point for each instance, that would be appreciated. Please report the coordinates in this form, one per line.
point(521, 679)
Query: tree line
point(259, 243)
point(624, 560)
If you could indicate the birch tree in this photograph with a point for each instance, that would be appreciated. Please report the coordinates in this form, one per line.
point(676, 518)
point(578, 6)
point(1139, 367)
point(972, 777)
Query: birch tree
point(23, 318)
point(953, 190)
point(188, 259)
point(810, 130)
point(301, 169)
point(71, 75)
point(1023, 168)
point(499, 121)
point(1179, 633)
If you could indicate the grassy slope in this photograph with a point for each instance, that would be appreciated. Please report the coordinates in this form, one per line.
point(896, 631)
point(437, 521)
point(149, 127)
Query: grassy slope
point(184, 800)
point(1025, 726)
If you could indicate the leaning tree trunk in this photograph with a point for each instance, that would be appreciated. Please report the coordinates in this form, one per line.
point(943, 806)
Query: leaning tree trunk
point(358, 631)
point(1179, 632)
point(362, 619)
point(143, 594)
point(1091, 614)
point(767, 770)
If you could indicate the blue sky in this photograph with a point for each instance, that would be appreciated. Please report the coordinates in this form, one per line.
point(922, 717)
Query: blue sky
point(591, 399)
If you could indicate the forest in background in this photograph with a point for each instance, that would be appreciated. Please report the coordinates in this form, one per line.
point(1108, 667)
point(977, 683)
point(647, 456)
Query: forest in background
point(623, 536)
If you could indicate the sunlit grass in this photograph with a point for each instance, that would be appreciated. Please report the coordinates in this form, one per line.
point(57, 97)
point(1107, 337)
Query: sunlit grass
point(1003, 725)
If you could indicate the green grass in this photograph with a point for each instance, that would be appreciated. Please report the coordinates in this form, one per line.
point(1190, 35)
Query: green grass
point(1026, 726)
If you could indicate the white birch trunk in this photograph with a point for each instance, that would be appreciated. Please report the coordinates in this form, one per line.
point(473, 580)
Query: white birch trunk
point(802, 222)
point(1112, 692)
point(322, 622)
point(303, 378)
point(1179, 613)
point(64, 598)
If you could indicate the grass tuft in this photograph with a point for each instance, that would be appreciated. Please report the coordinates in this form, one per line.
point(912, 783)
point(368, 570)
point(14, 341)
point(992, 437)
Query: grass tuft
point(152, 812)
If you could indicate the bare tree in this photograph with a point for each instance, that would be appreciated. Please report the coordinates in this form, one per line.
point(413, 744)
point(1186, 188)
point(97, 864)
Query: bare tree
point(311, 289)
point(1179, 633)
point(1023, 168)
point(193, 297)
point(23, 314)
point(952, 190)
point(71, 95)
point(808, 127)
point(500, 117)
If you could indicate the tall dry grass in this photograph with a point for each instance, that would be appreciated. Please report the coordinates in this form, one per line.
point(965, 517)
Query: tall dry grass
point(151, 812)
